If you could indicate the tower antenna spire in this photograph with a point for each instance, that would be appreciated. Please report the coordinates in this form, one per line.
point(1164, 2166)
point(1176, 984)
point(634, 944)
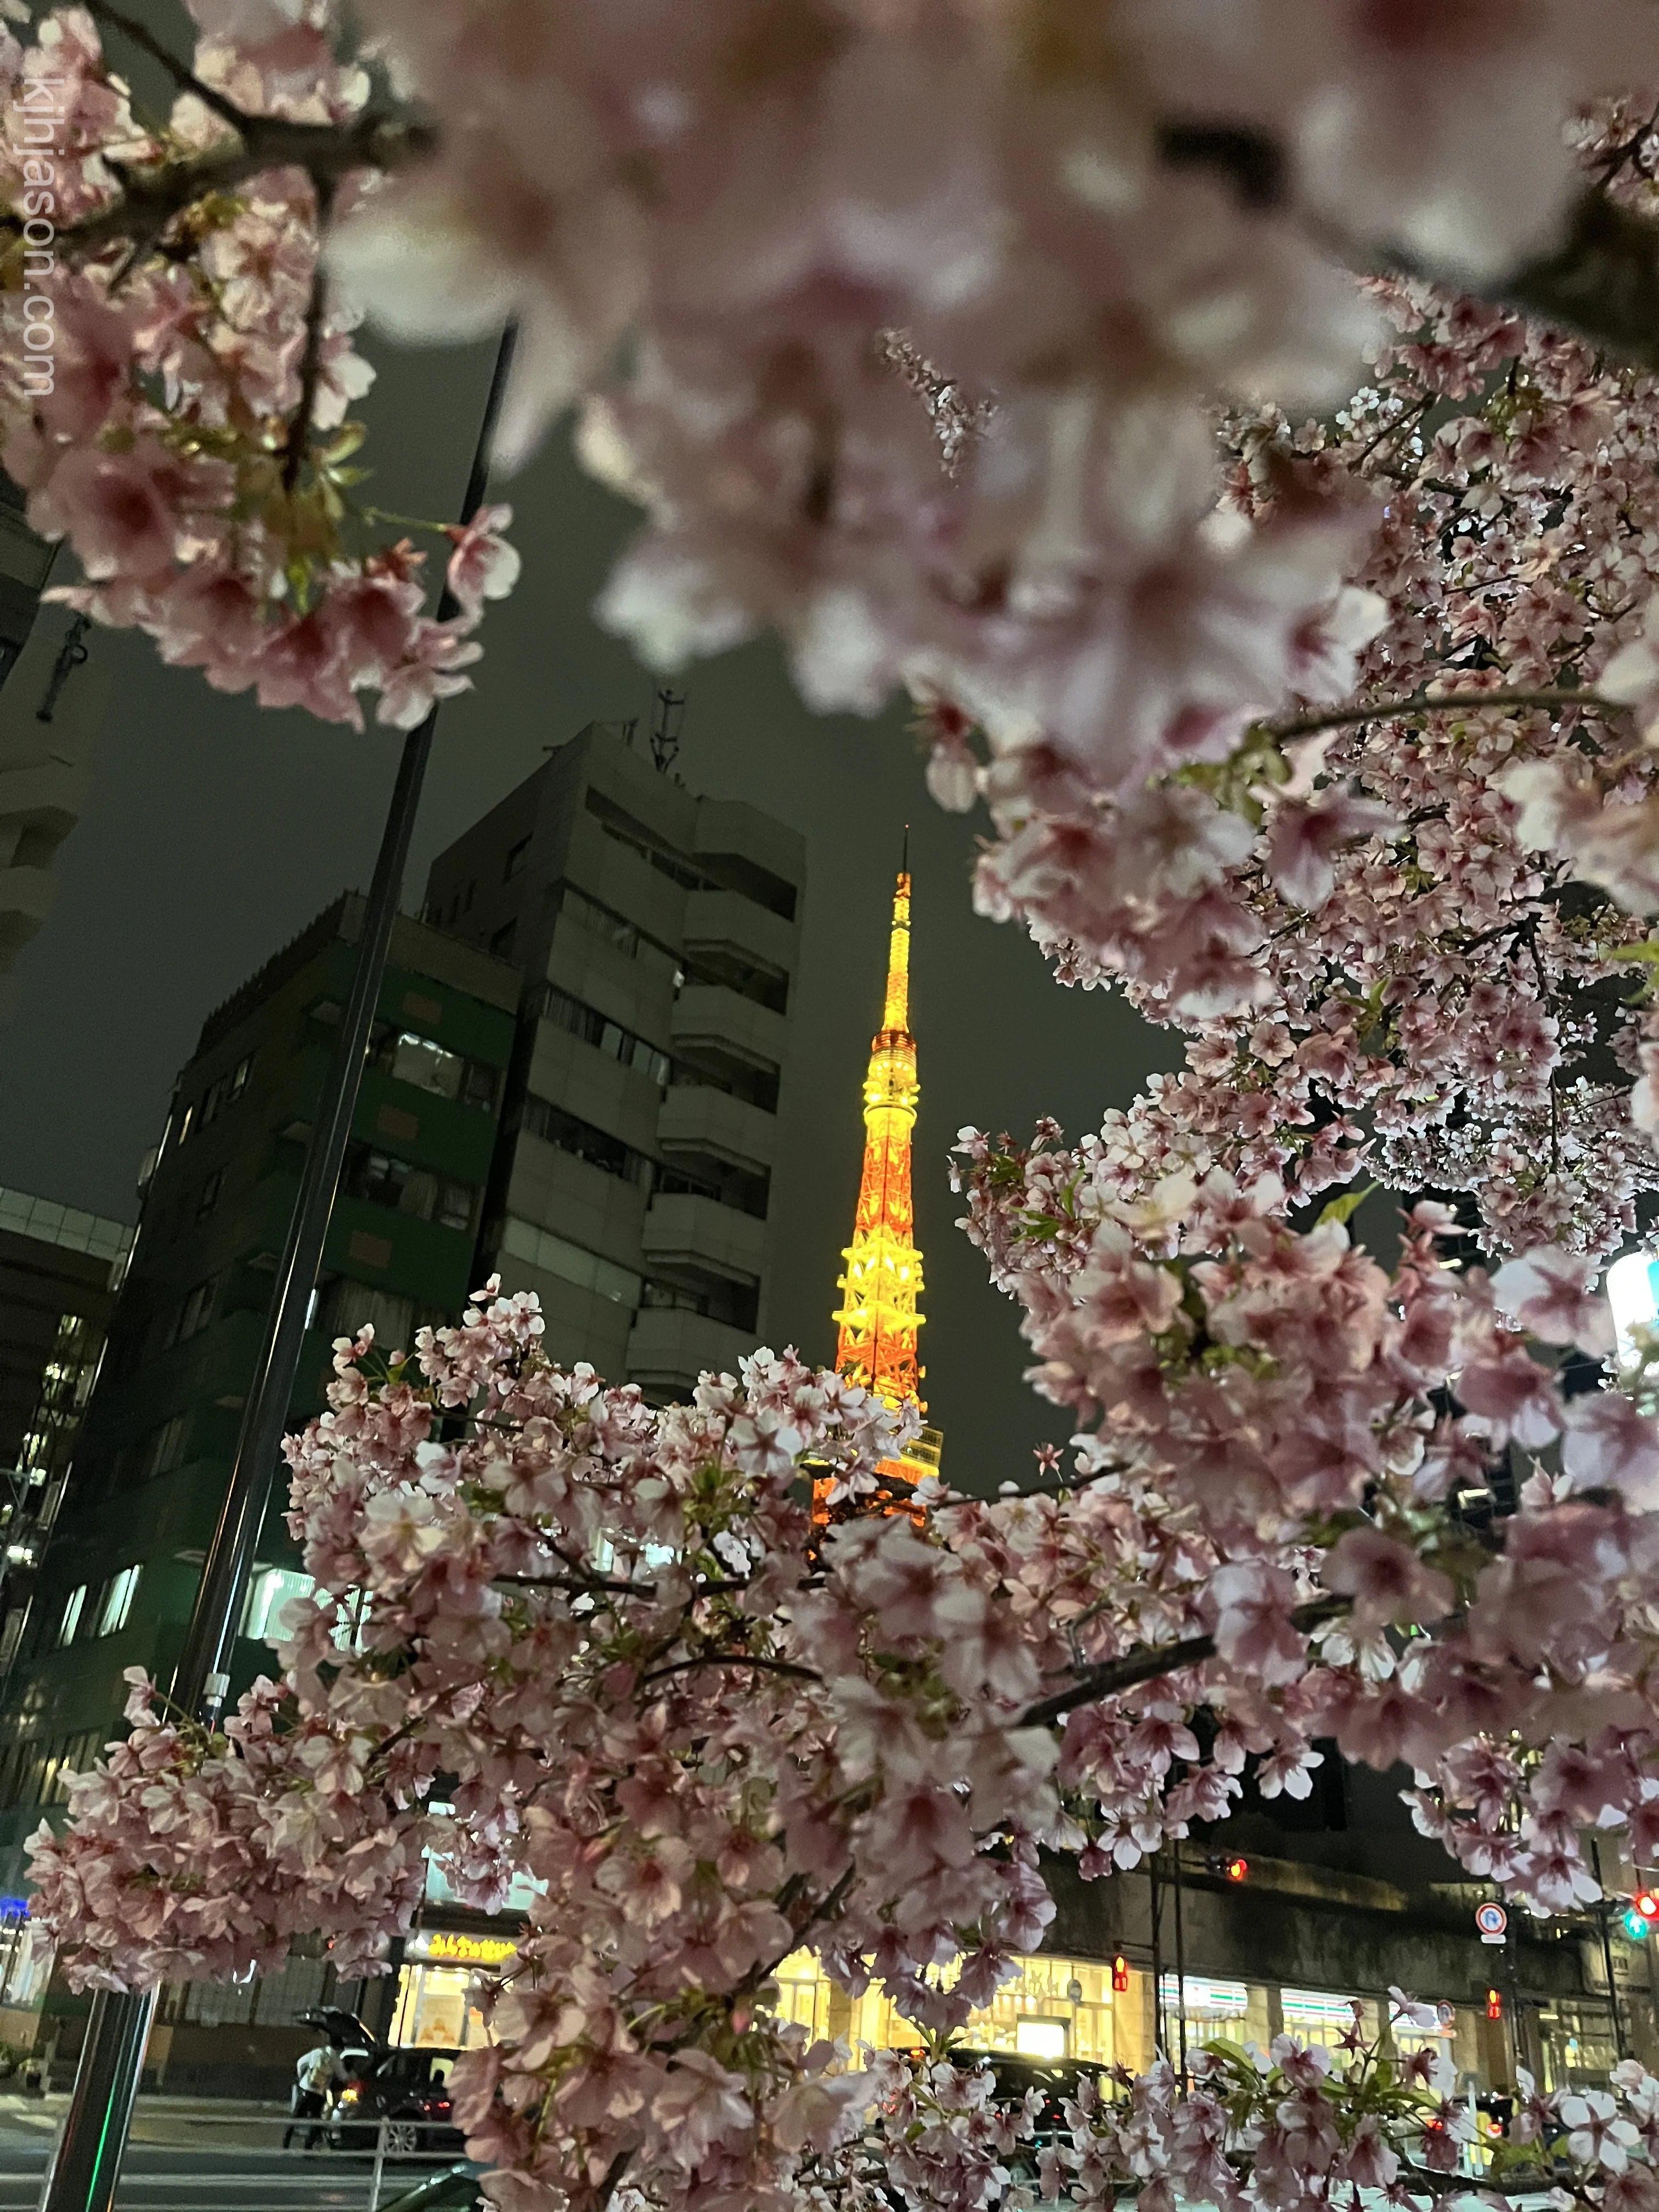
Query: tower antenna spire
point(880, 1315)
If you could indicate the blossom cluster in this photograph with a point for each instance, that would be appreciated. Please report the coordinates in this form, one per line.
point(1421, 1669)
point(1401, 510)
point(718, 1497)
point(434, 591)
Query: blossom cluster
point(1402, 941)
point(714, 1723)
point(186, 430)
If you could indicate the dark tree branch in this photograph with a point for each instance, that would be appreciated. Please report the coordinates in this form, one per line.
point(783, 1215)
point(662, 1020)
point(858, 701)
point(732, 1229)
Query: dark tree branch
point(1156, 1659)
point(1436, 702)
point(311, 358)
point(103, 11)
point(152, 198)
point(733, 1659)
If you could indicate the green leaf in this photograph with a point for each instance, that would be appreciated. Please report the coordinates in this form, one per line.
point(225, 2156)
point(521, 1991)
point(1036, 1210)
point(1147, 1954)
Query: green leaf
point(1344, 1208)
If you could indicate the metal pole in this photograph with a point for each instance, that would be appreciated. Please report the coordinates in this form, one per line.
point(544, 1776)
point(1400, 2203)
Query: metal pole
point(93, 2140)
point(1181, 1964)
point(82, 2177)
point(1159, 2036)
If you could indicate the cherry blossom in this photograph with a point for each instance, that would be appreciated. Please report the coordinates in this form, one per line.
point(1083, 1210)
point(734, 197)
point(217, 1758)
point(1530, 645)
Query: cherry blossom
point(714, 1729)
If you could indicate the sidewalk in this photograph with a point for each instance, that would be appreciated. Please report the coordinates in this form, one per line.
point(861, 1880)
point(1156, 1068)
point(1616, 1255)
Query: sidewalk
point(201, 2123)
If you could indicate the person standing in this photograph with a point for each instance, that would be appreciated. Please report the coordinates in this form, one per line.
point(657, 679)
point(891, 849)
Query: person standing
point(316, 2072)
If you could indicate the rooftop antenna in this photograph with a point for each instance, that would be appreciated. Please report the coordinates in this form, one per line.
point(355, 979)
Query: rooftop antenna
point(904, 861)
point(667, 720)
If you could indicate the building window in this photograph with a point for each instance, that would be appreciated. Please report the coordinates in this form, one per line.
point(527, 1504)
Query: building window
point(186, 1122)
point(541, 1118)
point(478, 1086)
point(115, 1600)
point(382, 1179)
point(500, 942)
point(734, 1305)
point(195, 1313)
point(262, 1616)
point(455, 1203)
point(604, 921)
point(166, 1447)
point(346, 1304)
point(208, 1196)
point(69, 1620)
point(516, 856)
point(416, 1059)
point(571, 1263)
point(609, 1037)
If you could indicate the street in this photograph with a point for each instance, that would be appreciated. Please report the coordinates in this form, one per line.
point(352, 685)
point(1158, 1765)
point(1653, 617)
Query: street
point(187, 2156)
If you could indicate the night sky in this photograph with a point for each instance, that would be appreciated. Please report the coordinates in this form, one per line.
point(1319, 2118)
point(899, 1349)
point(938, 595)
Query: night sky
point(215, 832)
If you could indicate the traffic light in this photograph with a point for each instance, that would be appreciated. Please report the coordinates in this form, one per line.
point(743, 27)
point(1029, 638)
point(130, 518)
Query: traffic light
point(1237, 1869)
point(1494, 2004)
point(1640, 1914)
point(1120, 1972)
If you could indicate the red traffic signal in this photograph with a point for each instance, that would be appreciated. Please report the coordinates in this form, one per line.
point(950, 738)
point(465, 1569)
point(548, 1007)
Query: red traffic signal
point(1646, 1902)
point(1237, 1869)
point(1494, 2004)
point(1120, 1972)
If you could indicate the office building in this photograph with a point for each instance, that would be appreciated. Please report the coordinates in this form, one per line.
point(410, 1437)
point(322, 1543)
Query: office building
point(119, 1576)
point(658, 934)
point(59, 1267)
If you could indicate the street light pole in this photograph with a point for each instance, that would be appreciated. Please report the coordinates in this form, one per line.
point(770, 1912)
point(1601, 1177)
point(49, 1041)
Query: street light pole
point(87, 2158)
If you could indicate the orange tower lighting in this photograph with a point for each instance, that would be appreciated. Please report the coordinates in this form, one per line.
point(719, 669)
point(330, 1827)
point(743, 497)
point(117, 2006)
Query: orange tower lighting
point(880, 1314)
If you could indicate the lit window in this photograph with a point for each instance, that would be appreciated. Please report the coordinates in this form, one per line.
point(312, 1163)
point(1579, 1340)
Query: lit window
point(117, 1601)
point(1040, 2039)
point(73, 1605)
point(269, 1593)
point(416, 1059)
point(455, 1205)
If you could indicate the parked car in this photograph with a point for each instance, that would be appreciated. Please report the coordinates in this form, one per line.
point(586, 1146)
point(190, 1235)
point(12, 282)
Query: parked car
point(1015, 2074)
point(454, 2190)
point(409, 2090)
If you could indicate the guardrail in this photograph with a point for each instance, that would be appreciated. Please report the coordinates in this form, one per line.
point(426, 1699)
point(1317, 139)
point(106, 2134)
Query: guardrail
point(182, 2159)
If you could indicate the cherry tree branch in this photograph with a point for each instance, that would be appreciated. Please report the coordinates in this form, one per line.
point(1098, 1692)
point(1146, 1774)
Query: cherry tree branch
point(103, 11)
point(310, 360)
point(1155, 1659)
point(1436, 702)
point(733, 1659)
point(151, 198)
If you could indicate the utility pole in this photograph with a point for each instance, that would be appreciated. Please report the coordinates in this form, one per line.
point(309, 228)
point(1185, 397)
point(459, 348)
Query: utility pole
point(87, 2158)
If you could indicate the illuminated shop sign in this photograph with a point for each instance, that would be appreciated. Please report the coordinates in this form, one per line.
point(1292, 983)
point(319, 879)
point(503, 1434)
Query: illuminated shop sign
point(443, 1947)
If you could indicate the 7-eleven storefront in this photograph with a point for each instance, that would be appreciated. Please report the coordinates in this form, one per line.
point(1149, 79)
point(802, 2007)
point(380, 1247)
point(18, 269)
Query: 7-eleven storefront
point(1054, 2008)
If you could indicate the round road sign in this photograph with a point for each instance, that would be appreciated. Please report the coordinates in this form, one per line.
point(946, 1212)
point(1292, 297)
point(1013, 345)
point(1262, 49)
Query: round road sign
point(1490, 1919)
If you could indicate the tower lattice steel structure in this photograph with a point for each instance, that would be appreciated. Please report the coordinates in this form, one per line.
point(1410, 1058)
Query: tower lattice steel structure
point(880, 1315)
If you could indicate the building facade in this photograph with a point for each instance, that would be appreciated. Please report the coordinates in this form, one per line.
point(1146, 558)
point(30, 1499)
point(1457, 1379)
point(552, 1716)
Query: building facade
point(58, 1269)
point(119, 1578)
point(657, 935)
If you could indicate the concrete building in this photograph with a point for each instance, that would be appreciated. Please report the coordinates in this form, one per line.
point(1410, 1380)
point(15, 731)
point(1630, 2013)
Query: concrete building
point(119, 1576)
point(658, 934)
point(58, 1267)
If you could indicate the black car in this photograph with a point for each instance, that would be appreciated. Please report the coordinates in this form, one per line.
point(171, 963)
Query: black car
point(409, 2090)
point(454, 2190)
point(1015, 2074)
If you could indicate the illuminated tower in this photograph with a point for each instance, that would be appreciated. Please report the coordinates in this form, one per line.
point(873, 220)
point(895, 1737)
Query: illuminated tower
point(880, 1315)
